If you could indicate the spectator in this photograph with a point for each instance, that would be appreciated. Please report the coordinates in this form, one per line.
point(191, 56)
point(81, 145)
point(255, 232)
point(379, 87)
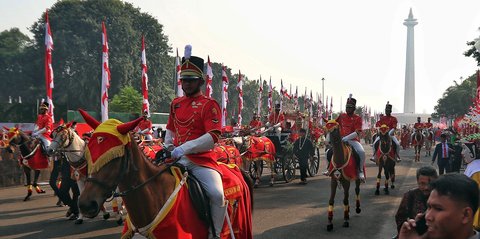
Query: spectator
point(457, 157)
point(451, 208)
point(303, 150)
point(415, 200)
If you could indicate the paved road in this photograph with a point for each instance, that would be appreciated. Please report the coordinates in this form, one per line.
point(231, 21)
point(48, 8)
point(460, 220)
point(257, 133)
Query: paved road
point(283, 211)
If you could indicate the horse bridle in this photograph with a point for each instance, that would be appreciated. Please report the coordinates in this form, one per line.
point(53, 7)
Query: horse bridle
point(70, 137)
point(390, 147)
point(22, 143)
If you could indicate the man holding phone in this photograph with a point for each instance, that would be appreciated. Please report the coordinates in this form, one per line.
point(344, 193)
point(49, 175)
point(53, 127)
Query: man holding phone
point(451, 208)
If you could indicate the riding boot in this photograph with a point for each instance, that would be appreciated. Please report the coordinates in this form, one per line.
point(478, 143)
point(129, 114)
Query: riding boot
point(38, 188)
point(29, 192)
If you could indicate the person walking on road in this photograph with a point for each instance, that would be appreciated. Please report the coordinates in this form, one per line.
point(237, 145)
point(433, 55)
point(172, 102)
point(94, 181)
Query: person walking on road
point(443, 151)
point(303, 150)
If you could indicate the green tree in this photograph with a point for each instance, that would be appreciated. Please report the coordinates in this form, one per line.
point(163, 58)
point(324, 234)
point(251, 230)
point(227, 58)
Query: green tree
point(457, 99)
point(127, 100)
point(77, 56)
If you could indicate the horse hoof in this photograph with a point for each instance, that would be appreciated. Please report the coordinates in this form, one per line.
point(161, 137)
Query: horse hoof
point(346, 224)
point(271, 184)
point(392, 186)
point(106, 216)
point(119, 222)
point(79, 221)
point(329, 227)
point(358, 210)
point(387, 192)
point(27, 197)
point(377, 192)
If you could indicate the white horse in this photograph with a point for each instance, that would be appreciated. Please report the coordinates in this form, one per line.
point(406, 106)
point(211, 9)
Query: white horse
point(68, 143)
point(428, 140)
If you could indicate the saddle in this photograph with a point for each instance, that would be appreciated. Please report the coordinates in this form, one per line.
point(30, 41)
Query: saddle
point(355, 154)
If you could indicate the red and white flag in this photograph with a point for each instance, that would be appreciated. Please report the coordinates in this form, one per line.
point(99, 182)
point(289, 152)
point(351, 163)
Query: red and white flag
point(146, 104)
point(310, 111)
point(295, 97)
point(305, 100)
point(326, 108)
point(260, 92)
point(224, 96)
point(208, 91)
point(270, 99)
point(331, 106)
point(105, 74)
point(240, 98)
point(478, 84)
point(48, 65)
point(179, 83)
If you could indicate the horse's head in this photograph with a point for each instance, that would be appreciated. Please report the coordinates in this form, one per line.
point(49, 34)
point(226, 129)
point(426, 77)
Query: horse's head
point(385, 140)
point(17, 138)
point(63, 137)
point(332, 127)
point(241, 143)
point(107, 153)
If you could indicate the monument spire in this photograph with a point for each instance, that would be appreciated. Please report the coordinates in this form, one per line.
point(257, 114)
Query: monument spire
point(409, 100)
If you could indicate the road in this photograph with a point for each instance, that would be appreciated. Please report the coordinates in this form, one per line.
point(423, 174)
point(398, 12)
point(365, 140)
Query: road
point(283, 211)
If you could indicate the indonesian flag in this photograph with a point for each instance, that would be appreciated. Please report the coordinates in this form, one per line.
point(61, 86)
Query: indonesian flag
point(146, 105)
point(311, 104)
point(478, 84)
point(331, 105)
point(105, 75)
point(224, 96)
point(319, 108)
point(295, 97)
point(260, 91)
point(179, 83)
point(208, 91)
point(270, 91)
point(48, 65)
point(240, 98)
point(326, 107)
point(305, 100)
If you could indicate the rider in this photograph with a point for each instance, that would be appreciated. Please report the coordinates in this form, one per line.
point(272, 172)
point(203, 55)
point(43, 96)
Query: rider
point(428, 125)
point(145, 127)
point(417, 127)
point(350, 128)
point(276, 118)
point(255, 124)
point(193, 127)
point(391, 122)
point(43, 126)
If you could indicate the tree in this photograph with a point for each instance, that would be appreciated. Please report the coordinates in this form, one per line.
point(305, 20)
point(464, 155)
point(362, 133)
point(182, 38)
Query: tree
point(457, 99)
point(76, 30)
point(127, 100)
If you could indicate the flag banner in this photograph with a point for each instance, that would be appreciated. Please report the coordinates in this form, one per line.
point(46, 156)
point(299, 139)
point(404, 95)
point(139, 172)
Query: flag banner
point(48, 66)
point(260, 92)
point(105, 74)
point(310, 111)
point(145, 103)
point(209, 90)
point(296, 98)
point(224, 96)
point(240, 98)
point(331, 106)
point(270, 99)
point(179, 83)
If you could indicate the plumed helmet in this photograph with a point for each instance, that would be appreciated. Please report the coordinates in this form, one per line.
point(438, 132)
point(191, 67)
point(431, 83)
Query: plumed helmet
point(44, 105)
point(352, 102)
point(388, 106)
point(192, 66)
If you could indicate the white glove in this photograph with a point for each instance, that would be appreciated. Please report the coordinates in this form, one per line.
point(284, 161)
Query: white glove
point(34, 134)
point(178, 152)
point(350, 137)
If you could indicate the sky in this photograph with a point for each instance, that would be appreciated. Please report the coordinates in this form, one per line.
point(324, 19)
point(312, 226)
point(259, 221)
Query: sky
point(358, 47)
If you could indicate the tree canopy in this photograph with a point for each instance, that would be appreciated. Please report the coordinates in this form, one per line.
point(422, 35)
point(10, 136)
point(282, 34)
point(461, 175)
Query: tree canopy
point(457, 99)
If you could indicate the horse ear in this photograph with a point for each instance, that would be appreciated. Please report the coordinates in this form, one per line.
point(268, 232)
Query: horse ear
point(126, 127)
point(69, 124)
point(92, 122)
point(324, 120)
point(6, 128)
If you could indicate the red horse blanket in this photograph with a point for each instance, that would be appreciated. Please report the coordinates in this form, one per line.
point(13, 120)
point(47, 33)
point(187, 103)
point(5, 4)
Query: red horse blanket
point(179, 219)
point(260, 148)
point(349, 168)
point(228, 154)
point(37, 160)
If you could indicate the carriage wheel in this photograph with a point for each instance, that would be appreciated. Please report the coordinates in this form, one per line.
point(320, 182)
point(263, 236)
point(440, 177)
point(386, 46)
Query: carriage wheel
point(313, 165)
point(252, 169)
point(288, 168)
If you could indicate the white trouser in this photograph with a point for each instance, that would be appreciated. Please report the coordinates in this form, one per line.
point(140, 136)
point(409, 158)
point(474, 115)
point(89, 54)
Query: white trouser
point(361, 152)
point(211, 182)
point(46, 143)
point(394, 139)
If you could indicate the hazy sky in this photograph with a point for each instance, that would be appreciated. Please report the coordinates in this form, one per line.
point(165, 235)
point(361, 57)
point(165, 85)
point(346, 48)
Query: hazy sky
point(359, 47)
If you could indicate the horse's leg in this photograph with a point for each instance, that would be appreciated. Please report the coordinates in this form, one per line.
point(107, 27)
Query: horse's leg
point(357, 196)
point(35, 180)
point(28, 178)
point(379, 176)
point(387, 176)
point(272, 172)
point(116, 208)
point(256, 173)
point(346, 205)
point(331, 202)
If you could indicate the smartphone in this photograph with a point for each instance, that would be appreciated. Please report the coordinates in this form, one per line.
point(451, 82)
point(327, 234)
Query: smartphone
point(421, 227)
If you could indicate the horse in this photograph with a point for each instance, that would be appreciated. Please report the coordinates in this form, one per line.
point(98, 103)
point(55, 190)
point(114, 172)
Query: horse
point(385, 160)
point(342, 169)
point(156, 197)
point(428, 139)
point(417, 143)
point(31, 157)
point(255, 150)
point(68, 144)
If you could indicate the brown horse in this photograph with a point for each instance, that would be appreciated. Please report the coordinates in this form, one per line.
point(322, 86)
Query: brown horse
point(343, 170)
point(417, 143)
point(385, 160)
point(156, 197)
point(31, 157)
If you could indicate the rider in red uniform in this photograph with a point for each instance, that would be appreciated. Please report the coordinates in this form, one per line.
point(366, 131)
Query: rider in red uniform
point(255, 124)
point(276, 118)
point(350, 129)
point(416, 126)
point(391, 122)
point(145, 127)
point(43, 126)
point(193, 127)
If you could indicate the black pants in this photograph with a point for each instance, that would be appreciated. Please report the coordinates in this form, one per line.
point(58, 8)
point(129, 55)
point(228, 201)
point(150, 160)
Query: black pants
point(54, 176)
point(303, 162)
point(67, 183)
point(444, 166)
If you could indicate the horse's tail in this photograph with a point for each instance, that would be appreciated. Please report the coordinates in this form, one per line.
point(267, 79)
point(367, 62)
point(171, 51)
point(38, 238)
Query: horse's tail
point(249, 182)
